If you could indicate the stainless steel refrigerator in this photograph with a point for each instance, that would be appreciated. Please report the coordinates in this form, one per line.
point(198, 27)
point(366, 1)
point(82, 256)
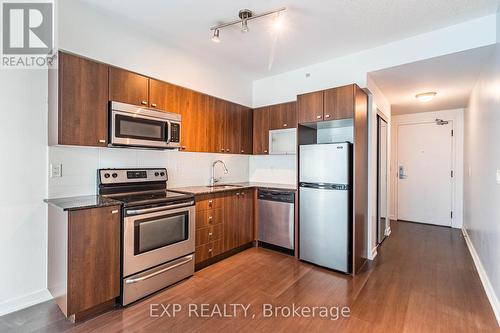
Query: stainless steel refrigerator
point(325, 205)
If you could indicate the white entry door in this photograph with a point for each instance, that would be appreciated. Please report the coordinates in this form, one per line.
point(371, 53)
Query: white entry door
point(425, 164)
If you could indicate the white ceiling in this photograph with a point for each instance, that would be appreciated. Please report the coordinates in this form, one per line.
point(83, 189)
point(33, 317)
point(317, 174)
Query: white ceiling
point(452, 76)
point(316, 30)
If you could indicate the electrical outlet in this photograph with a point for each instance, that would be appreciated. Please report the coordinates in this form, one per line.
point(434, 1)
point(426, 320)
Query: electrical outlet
point(55, 170)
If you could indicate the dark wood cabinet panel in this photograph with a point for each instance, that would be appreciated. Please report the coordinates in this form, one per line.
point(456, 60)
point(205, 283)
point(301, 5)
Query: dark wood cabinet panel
point(83, 102)
point(246, 139)
point(310, 107)
point(261, 131)
point(339, 102)
point(282, 116)
point(128, 87)
point(238, 219)
point(246, 217)
point(232, 129)
point(162, 95)
point(193, 107)
point(93, 257)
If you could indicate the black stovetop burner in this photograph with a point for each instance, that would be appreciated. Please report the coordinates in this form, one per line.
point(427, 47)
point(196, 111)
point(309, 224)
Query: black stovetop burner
point(134, 187)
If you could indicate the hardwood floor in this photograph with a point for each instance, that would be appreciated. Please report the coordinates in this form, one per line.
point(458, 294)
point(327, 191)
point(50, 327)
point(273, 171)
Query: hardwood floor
point(423, 280)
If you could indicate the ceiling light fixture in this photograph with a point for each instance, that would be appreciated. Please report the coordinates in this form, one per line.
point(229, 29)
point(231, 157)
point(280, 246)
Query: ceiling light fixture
point(246, 15)
point(215, 37)
point(426, 97)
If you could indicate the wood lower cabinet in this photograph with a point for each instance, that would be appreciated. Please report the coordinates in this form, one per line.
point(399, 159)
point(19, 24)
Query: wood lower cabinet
point(310, 107)
point(128, 87)
point(82, 104)
point(224, 222)
point(84, 259)
point(282, 116)
point(261, 131)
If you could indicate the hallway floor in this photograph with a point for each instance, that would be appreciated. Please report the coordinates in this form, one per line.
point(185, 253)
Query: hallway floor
point(423, 280)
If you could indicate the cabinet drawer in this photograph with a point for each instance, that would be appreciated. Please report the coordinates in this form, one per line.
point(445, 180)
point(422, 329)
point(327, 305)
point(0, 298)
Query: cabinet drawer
point(207, 251)
point(210, 217)
point(209, 202)
point(208, 234)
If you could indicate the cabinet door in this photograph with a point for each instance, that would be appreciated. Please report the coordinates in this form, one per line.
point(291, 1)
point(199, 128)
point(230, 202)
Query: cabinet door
point(128, 87)
point(261, 131)
point(216, 117)
point(160, 95)
point(246, 217)
point(93, 257)
point(192, 108)
point(283, 116)
point(246, 130)
point(231, 214)
point(83, 102)
point(233, 129)
point(310, 107)
point(339, 103)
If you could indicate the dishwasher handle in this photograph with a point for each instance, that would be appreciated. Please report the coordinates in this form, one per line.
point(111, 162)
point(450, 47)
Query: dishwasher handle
point(278, 196)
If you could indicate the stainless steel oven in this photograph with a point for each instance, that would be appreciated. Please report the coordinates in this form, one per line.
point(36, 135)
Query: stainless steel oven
point(158, 246)
point(135, 126)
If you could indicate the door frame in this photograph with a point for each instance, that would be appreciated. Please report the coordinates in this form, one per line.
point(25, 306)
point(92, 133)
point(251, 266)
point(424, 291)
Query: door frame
point(455, 117)
point(382, 117)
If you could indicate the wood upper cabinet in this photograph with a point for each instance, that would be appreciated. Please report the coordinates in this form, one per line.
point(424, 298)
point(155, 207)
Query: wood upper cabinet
point(282, 116)
point(232, 138)
point(216, 118)
point(246, 138)
point(261, 131)
point(83, 102)
point(162, 95)
point(128, 87)
point(339, 102)
point(310, 107)
point(193, 107)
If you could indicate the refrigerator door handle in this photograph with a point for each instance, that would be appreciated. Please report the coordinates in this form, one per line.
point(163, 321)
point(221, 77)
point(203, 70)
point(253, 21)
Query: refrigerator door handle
point(344, 187)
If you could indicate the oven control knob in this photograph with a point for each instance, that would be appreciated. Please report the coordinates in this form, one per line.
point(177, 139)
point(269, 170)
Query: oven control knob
point(162, 174)
point(106, 175)
point(114, 175)
point(157, 174)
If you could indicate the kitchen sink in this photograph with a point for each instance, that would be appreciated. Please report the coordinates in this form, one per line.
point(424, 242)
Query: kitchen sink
point(221, 186)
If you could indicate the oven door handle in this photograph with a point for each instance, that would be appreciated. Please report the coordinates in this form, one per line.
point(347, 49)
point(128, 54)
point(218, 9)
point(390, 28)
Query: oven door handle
point(158, 209)
point(149, 276)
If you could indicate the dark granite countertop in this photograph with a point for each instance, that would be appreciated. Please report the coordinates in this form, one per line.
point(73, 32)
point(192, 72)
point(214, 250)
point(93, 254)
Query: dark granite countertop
point(82, 202)
point(198, 190)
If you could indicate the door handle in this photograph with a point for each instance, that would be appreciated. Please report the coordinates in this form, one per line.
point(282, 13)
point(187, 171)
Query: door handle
point(149, 276)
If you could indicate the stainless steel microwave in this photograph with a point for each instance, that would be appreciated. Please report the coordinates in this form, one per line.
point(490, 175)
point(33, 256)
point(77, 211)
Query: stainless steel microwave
point(135, 126)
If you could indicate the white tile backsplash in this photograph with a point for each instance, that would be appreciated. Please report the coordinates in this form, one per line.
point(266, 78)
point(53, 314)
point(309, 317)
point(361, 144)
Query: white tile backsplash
point(79, 165)
point(273, 168)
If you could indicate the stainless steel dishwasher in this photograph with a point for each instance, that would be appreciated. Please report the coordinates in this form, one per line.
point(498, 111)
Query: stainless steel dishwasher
point(276, 210)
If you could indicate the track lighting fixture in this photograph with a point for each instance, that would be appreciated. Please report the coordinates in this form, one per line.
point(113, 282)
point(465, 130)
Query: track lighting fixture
point(246, 15)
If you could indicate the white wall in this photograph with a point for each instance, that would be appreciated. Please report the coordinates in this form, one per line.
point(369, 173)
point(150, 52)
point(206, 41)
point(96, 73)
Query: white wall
point(87, 31)
point(273, 168)
point(184, 169)
point(457, 117)
point(23, 140)
point(482, 186)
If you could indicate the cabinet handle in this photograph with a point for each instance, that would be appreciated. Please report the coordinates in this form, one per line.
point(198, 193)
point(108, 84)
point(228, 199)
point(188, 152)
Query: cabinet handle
point(153, 105)
point(114, 211)
point(285, 125)
point(327, 116)
point(183, 148)
point(265, 151)
point(238, 194)
point(210, 251)
point(144, 103)
point(210, 203)
point(210, 234)
point(210, 219)
point(102, 141)
point(227, 150)
point(242, 151)
point(318, 117)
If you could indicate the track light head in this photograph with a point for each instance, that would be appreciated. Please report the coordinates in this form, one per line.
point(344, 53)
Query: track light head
point(215, 37)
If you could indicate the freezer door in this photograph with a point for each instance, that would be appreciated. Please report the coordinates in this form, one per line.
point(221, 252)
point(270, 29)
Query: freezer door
point(325, 163)
point(324, 228)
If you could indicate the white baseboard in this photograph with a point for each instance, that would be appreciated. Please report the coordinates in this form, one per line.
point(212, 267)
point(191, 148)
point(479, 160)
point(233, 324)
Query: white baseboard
point(488, 288)
point(14, 304)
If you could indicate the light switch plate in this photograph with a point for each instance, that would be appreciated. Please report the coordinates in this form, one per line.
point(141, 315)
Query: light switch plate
point(55, 170)
point(498, 177)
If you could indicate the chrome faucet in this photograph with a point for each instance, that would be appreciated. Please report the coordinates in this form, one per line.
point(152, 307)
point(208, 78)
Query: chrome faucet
point(214, 180)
